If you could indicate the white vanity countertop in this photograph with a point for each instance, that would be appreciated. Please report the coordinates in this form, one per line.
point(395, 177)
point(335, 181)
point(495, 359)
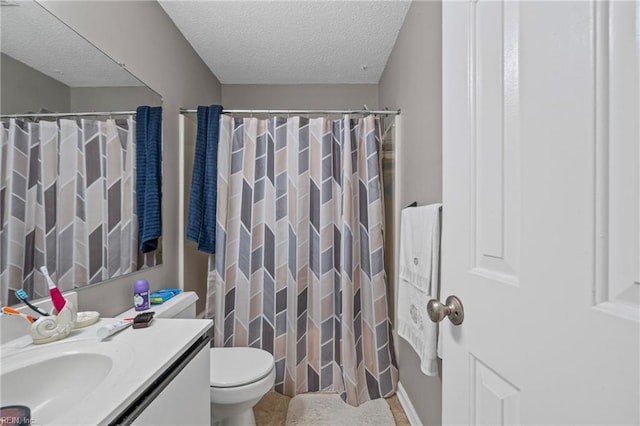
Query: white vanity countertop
point(139, 357)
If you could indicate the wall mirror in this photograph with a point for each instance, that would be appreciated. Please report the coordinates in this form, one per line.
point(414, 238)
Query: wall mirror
point(67, 159)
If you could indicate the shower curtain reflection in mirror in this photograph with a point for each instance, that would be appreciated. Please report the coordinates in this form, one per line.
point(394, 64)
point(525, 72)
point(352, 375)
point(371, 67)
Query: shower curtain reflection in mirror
point(67, 201)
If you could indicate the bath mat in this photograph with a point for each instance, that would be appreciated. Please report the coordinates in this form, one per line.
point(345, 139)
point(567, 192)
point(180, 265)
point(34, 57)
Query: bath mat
point(328, 409)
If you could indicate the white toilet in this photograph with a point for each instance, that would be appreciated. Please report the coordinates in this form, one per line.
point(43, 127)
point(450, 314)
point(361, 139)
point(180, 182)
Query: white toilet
point(239, 379)
point(239, 376)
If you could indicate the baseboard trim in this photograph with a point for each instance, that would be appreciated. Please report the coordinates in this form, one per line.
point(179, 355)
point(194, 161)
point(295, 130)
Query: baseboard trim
point(407, 406)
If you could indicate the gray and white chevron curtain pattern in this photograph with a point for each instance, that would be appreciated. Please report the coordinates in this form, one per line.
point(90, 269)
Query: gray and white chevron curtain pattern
point(299, 269)
point(67, 199)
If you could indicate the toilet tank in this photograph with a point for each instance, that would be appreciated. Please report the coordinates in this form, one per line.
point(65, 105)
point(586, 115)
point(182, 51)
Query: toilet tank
point(181, 306)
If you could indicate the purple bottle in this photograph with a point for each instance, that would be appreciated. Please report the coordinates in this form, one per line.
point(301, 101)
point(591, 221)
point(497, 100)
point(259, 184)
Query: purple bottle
point(141, 295)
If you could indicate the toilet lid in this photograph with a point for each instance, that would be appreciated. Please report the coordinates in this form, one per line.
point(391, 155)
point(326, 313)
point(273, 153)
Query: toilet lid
point(238, 366)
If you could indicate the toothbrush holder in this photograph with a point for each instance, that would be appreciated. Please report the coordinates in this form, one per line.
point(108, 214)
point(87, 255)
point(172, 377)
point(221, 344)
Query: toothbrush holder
point(54, 327)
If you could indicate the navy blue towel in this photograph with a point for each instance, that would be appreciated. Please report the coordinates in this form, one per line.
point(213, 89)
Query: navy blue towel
point(201, 218)
point(149, 176)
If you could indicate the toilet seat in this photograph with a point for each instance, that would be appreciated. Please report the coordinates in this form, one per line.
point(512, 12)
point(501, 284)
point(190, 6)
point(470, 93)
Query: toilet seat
point(232, 367)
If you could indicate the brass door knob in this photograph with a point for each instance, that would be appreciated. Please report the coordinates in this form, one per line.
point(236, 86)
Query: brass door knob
point(452, 309)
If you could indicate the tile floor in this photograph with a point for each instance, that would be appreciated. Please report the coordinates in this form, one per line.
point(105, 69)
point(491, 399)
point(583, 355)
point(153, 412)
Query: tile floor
point(272, 410)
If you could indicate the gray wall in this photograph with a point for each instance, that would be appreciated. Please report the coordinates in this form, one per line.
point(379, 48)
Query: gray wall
point(141, 35)
point(412, 81)
point(112, 98)
point(25, 89)
point(303, 96)
point(195, 262)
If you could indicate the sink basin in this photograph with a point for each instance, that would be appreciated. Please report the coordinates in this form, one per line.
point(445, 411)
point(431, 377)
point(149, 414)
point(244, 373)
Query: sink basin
point(50, 387)
point(53, 380)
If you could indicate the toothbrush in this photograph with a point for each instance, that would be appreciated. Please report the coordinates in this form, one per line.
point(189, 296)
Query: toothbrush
point(56, 296)
point(22, 295)
point(12, 311)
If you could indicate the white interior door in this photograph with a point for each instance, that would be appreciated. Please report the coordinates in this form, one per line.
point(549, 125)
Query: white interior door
point(541, 217)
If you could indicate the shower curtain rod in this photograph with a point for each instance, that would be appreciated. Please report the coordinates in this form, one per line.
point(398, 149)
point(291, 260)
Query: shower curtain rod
point(297, 111)
point(66, 114)
point(193, 110)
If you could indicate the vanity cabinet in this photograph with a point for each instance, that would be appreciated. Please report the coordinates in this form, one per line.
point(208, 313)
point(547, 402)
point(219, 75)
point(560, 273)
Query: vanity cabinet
point(185, 400)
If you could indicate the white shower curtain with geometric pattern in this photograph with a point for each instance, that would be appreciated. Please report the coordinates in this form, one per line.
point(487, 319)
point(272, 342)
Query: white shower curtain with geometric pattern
point(299, 262)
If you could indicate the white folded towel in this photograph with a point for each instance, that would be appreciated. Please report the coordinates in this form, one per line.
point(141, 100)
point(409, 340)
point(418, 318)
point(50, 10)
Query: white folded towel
point(420, 245)
point(419, 282)
point(415, 326)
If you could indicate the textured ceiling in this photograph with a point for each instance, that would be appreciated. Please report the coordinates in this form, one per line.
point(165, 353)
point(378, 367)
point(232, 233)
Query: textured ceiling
point(34, 37)
point(291, 42)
